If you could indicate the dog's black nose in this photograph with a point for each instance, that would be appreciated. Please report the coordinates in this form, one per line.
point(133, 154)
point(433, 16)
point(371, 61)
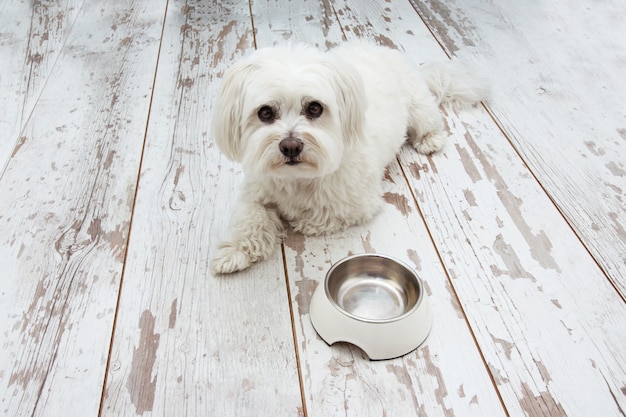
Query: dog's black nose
point(291, 147)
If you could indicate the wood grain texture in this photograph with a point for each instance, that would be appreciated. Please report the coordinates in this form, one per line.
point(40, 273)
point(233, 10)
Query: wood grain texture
point(32, 35)
point(188, 343)
point(539, 381)
point(557, 73)
point(446, 376)
point(67, 196)
point(306, 21)
point(106, 238)
point(500, 255)
point(494, 227)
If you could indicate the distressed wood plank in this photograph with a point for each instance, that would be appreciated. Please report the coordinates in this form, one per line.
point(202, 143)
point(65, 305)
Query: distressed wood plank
point(67, 197)
point(32, 35)
point(186, 342)
point(546, 319)
point(444, 377)
point(558, 76)
point(301, 21)
point(552, 338)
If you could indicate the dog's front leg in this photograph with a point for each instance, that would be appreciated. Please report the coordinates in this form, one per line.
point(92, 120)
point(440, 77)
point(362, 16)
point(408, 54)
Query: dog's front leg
point(255, 232)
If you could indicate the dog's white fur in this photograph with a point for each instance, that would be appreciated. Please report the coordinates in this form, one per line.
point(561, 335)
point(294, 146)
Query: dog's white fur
point(372, 101)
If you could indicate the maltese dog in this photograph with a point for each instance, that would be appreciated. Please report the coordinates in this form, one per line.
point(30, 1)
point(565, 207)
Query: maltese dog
point(314, 132)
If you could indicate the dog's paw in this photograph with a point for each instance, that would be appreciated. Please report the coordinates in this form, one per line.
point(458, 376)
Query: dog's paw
point(229, 259)
point(430, 143)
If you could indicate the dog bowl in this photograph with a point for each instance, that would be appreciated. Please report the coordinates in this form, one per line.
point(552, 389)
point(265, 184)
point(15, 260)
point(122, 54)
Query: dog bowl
point(374, 302)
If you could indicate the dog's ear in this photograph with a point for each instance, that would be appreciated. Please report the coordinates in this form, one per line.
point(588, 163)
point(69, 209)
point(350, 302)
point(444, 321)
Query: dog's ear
point(227, 120)
point(351, 99)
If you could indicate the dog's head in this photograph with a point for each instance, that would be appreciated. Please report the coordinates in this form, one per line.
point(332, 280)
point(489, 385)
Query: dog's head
point(289, 112)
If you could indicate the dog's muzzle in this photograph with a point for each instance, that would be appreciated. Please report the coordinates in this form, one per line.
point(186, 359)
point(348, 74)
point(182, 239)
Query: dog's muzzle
point(291, 148)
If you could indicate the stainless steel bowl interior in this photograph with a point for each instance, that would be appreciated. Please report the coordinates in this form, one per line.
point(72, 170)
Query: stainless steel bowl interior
point(373, 288)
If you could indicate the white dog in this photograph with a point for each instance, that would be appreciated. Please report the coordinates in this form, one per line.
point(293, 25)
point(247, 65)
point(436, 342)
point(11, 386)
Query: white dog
point(314, 132)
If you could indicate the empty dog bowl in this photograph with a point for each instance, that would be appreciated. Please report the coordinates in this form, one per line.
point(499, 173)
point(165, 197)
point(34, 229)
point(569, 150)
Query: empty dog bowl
point(374, 302)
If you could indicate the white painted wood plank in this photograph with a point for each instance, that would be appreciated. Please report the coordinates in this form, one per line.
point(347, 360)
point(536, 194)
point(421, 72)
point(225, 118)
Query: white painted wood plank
point(306, 21)
point(558, 77)
point(67, 196)
point(186, 342)
point(446, 376)
point(548, 323)
point(31, 38)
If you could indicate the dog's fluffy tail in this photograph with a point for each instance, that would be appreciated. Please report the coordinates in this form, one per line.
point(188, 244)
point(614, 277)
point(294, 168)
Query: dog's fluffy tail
point(454, 84)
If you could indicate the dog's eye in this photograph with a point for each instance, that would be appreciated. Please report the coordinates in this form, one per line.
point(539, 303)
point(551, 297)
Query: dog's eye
point(314, 110)
point(266, 114)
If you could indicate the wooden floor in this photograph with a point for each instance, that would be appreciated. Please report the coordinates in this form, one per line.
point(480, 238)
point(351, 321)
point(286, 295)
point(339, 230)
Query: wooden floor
point(113, 196)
